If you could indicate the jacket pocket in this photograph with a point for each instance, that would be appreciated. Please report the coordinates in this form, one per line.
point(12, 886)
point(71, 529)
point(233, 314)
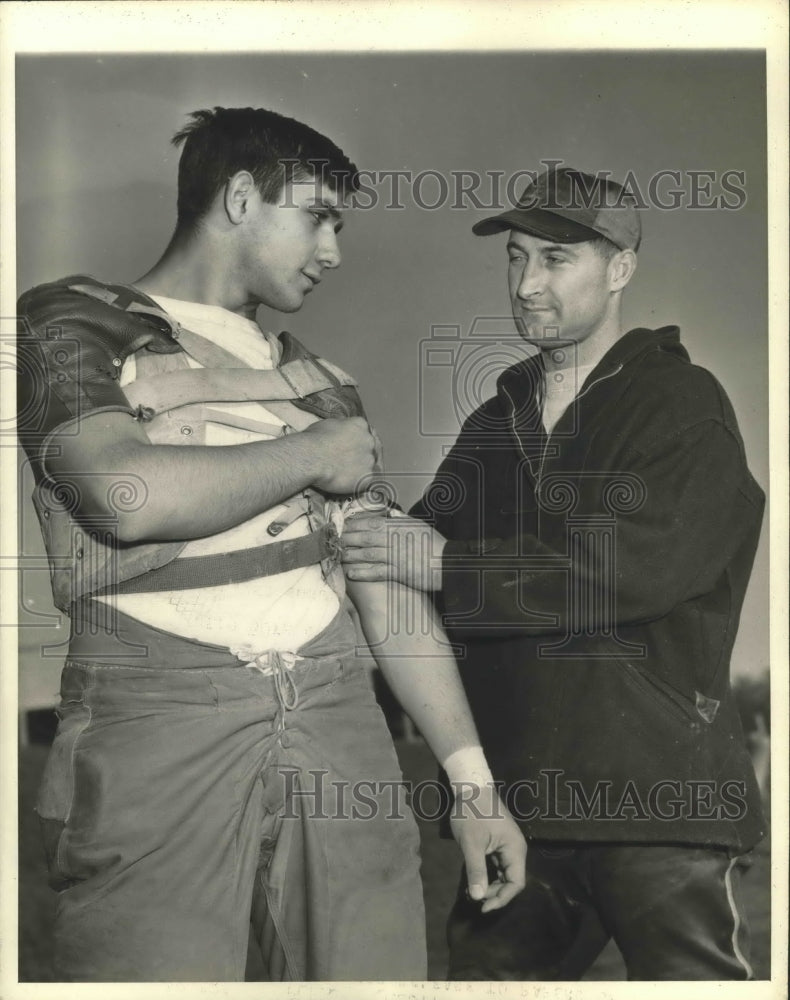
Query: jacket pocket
point(56, 792)
point(668, 698)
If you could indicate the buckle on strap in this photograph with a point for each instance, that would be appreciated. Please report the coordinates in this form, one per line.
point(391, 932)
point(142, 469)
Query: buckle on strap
point(295, 508)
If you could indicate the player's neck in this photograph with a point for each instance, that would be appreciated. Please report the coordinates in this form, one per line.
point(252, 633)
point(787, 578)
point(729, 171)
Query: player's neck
point(196, 270)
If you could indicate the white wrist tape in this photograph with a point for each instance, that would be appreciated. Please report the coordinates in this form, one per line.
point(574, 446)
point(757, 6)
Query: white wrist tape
point(468, 765)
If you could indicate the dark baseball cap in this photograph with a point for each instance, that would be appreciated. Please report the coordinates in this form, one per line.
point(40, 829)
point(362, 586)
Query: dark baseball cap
point(570, 206)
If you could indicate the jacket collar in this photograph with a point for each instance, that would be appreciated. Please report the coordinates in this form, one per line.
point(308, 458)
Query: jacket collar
point(520, 387)
point(526, 377)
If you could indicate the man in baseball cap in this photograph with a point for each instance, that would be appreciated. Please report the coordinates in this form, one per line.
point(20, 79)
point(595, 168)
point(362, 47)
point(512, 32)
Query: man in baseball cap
point(593, 577)
point(572, 207)
point(572, 248)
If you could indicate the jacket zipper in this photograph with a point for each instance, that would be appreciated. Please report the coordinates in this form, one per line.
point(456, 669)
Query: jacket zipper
point(584, 392)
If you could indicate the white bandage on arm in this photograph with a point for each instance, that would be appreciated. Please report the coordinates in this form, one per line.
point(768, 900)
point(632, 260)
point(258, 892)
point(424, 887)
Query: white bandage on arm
point(468, 766)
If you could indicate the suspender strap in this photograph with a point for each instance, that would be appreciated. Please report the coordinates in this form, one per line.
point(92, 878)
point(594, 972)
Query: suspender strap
point(194, 572)
point(225, 379)
point(304, 377)
point(165, 392)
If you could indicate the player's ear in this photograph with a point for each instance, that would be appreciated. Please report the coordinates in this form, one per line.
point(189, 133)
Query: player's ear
point(621, 269)
point(237, 193)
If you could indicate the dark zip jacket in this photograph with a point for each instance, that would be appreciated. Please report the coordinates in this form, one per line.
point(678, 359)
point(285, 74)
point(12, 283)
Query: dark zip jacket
point(594, 581)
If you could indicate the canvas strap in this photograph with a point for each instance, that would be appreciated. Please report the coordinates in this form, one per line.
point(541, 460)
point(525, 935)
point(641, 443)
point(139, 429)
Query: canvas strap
point(192, 573)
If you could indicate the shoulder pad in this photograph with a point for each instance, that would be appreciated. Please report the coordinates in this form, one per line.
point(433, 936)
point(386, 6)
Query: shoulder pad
point(71, 346)
point(340, 401)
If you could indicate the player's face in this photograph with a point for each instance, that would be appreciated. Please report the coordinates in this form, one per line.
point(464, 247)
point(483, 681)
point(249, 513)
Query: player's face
point(559, 292)
point(287, 246)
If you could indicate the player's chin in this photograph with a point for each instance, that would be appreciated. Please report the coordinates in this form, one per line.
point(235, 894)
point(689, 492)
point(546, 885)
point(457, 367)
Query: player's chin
point(291, 303)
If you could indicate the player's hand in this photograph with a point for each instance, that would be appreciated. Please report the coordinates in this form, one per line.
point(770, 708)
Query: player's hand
point(404, 549)
point(347, 451)
point(484, 828)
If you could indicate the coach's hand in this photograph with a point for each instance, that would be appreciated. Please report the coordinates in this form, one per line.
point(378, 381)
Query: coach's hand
point(485, 829)
point(347, 450)
point(404, 549)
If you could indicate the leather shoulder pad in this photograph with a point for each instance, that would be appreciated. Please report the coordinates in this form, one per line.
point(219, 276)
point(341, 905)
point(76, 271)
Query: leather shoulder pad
point(340, 401)
point(71, 346)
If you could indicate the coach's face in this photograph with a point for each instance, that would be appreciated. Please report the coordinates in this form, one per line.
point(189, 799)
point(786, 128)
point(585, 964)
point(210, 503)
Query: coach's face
point(285, 247)
point(559, 292)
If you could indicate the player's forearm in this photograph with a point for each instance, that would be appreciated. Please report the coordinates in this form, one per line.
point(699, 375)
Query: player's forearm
point(411, 650)
point(192, 492)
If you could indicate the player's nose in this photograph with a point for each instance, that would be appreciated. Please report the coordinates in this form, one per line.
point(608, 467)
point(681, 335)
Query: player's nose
point(328, 253)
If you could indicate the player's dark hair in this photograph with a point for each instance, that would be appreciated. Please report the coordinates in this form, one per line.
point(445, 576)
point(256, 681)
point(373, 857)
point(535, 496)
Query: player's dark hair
point(274, 149)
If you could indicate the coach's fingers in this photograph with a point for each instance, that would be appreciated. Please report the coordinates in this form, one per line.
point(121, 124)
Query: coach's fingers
point(364, 553)
point(367, 522)
point(366, 572)
point(356, 539)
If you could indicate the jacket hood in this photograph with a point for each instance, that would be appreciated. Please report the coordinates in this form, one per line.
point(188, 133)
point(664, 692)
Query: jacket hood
point(638, 342)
